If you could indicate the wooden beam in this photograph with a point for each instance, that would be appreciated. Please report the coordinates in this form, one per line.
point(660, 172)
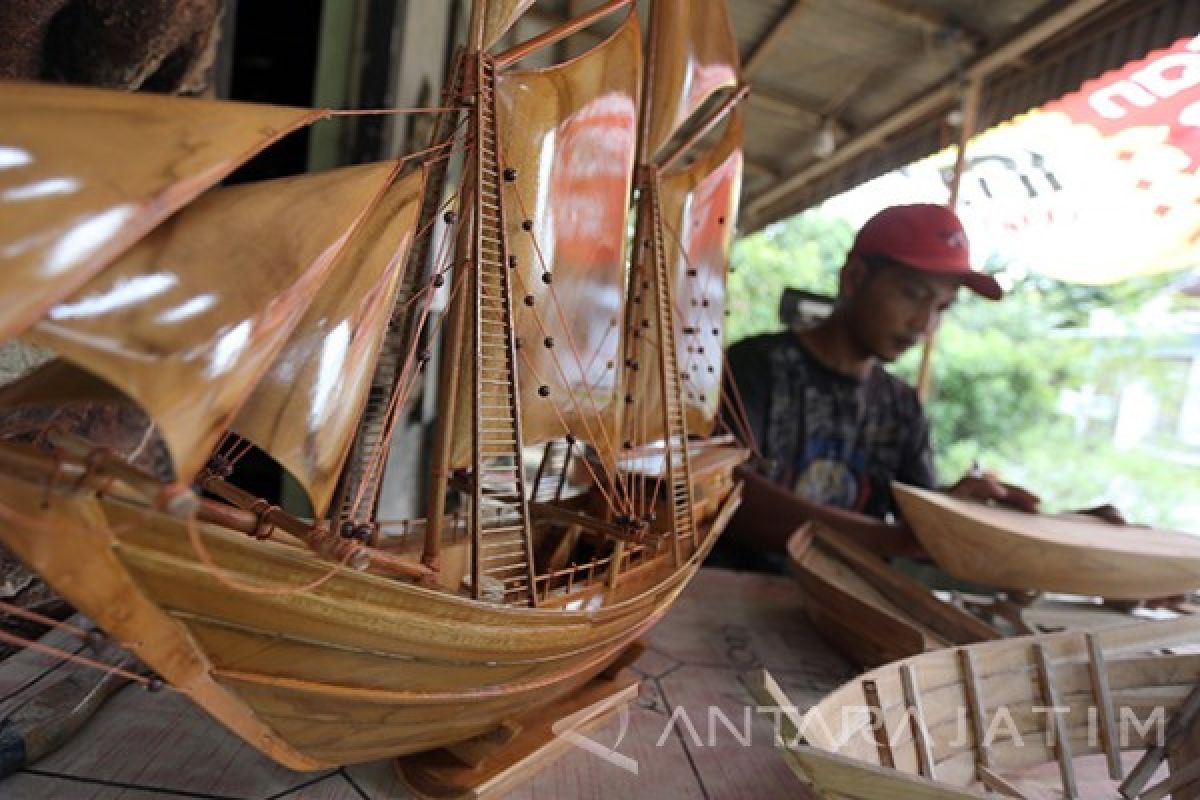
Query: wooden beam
point(927, 19)
point(931, 102)
point(774, 36)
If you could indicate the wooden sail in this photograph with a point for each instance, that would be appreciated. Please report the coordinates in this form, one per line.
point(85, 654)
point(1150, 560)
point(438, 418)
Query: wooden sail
point(85, 173)
point(1065, 553)
point(499, 16)
point(304, 410)
point(695, 56)
point(568, 134)
point(960, 722)
point(190, 318)
point(699, 218)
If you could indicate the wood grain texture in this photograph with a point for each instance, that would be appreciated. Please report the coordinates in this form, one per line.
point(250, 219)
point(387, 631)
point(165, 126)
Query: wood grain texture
point(695, 54)
point(88, 172)
point(356, 669)
point(188, 320)
point(1003, 696)
point(569, 132)
point(305, 409)
point(1071, 553)
point(860, 622)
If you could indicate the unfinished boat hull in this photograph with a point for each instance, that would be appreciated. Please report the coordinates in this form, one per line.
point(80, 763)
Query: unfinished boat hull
point(872, 614)
point(358, 668)
point(1069, 553)
point(961, 722)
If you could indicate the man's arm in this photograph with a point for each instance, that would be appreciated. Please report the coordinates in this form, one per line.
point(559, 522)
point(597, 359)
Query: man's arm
point(770, 514)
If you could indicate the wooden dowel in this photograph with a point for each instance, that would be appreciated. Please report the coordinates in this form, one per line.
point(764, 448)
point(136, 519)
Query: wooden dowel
point(715, 117)
point(974, 692)
point(557, 34)
point(882, 743)
point(1001, 785)
point(916, 713)
point(1062, 737)
point(1104, 702)
point(1174, 782)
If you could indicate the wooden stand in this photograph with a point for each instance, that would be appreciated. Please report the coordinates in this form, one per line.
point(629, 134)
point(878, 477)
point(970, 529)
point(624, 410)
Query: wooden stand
point(495, 763)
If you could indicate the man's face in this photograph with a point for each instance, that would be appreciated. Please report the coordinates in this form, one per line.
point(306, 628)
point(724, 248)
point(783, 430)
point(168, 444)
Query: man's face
point(893, 307)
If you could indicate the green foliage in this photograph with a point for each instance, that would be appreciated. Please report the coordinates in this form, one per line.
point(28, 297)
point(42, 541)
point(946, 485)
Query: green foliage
point(804, 252)
point(998, 371)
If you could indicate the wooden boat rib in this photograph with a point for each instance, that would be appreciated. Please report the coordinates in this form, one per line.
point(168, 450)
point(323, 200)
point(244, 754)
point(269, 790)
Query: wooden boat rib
point(1022, 717)
point(1067, 553)
point(286, 315)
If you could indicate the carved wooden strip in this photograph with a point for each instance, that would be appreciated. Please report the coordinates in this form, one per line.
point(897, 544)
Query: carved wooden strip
point(1183, 779)
point(976, 706)
point(1000, 785)
point(1103, 694)
point(879, 723)
point(912, 701)
point(1062, 742)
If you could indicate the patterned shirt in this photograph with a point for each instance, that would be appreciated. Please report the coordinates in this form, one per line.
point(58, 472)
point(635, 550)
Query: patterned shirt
point(834, 439)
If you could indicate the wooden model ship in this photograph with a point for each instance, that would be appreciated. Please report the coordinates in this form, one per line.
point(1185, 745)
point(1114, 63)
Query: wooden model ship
point(1063, 553)
point(1098, 716)
point(577, 400)
point(870, 612)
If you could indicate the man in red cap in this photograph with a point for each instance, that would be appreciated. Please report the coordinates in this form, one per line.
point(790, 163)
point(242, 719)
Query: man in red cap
point(834, 427)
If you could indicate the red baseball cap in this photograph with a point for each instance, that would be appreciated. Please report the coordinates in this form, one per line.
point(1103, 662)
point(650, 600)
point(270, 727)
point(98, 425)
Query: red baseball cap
point(927, 237)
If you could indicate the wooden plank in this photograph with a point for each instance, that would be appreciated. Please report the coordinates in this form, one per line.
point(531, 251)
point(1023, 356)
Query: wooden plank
point(975, 706)
point(1179, 725)
point(1098, 667)
point(879, 724)
point(538, 743)
point(912, 701)
point(838, 776)
point(1062, 741)
point(1185, 780)
point(1000, 785)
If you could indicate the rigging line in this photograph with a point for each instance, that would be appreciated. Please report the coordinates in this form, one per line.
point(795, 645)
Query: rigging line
point(76, 658)
point(401, 391)
point(706, 316)
point(358, 112)
point(50, 622)
point(586, 462)
point(612, 480)
point(403, 386)
point(541, 258)
point(606, 436)
point(740, 408)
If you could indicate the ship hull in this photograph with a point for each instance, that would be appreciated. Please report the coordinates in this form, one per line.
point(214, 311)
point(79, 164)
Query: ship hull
point(356, 668)
point(1070, 553)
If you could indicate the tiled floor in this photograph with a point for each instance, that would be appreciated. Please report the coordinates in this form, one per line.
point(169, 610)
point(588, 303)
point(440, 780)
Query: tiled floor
point(693, 733)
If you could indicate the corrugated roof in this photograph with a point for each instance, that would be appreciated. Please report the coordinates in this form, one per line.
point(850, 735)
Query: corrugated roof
point(882, 76)
point(786, 177)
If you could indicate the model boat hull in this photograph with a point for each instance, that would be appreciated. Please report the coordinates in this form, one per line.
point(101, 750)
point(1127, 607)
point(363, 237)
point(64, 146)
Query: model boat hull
point(357, 668)
point(1070, 553)
point(959, 722)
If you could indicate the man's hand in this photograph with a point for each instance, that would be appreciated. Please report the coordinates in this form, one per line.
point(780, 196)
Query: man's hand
point(984, 488)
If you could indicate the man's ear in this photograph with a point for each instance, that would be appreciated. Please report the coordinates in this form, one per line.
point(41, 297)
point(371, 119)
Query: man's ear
point(852, 277)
